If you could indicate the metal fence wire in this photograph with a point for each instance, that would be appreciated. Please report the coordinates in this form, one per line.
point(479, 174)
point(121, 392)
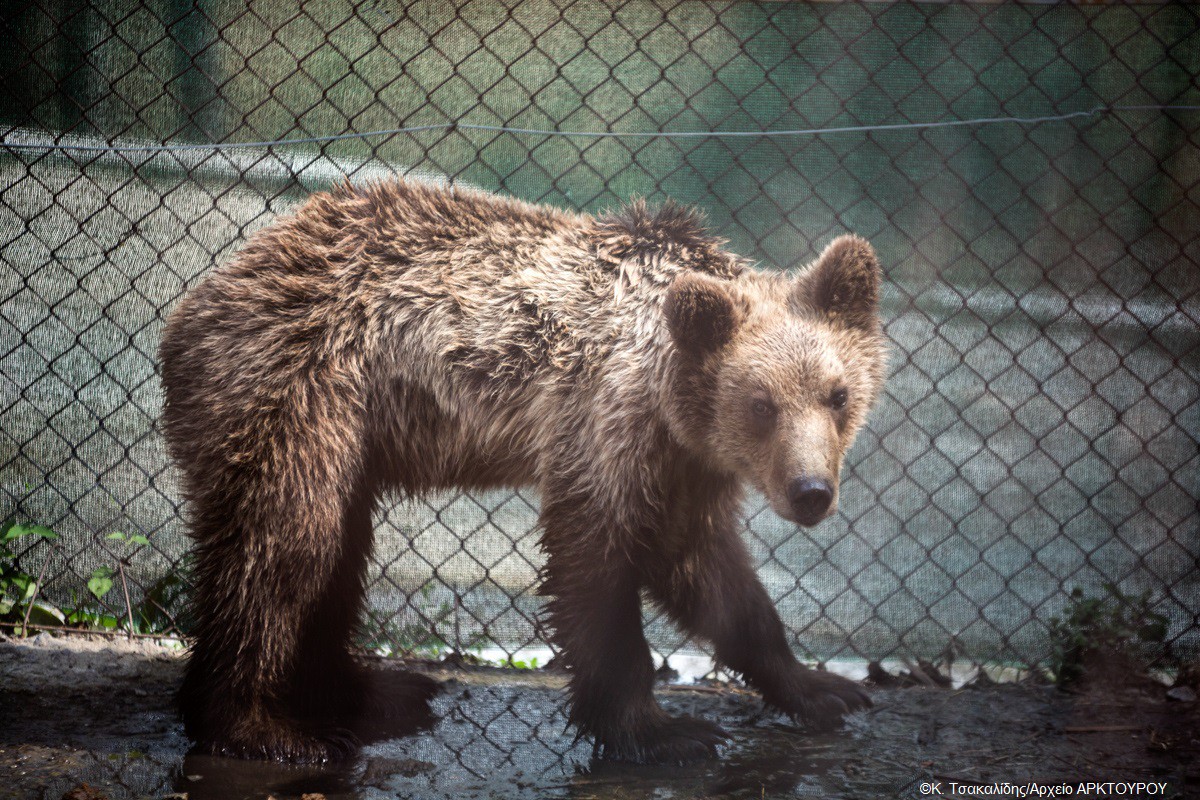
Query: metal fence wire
point(1030, 175)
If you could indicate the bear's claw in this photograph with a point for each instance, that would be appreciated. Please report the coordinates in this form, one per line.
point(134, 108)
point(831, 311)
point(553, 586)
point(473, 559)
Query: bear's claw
point(821, 699)
point(288, 745)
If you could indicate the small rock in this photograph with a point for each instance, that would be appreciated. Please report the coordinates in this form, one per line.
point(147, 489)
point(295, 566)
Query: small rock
point(85, 792)
point(1184, 694)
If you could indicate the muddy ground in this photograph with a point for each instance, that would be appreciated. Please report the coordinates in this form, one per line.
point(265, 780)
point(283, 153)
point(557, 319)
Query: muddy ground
point(76, 711)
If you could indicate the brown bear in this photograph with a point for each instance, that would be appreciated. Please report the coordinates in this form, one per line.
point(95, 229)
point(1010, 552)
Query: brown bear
point(404, 336)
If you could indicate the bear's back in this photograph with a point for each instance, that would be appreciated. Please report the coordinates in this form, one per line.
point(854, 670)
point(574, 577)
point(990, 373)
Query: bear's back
point(513, 319)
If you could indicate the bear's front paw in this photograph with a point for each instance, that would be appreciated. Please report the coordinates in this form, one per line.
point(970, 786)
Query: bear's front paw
point(820, 699)
point(663, 740)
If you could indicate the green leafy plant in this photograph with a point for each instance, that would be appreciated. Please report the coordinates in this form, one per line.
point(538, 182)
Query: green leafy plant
point(101, 582)
point(511, 663)
point(87, 613)
point(152, 615)
point(19, 603)
point(1114, 633)
point(158, 611)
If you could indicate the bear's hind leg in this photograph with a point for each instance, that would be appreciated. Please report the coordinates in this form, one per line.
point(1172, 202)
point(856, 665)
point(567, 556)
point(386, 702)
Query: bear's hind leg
point(256, 580)
point(269, 521)
point(331, 685)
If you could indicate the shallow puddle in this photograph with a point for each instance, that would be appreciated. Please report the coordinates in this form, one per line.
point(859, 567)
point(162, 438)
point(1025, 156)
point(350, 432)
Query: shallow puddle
point(74, 712)
point(508, 740)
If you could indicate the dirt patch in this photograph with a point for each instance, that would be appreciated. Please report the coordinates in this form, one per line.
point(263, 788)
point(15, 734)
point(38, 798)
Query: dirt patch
point(76, 711)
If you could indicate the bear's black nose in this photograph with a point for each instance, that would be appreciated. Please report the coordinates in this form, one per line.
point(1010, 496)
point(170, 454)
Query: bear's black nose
point(810, 498)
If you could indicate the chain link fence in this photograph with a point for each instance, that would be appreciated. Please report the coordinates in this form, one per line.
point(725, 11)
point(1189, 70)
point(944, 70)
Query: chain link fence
point(1030, 175)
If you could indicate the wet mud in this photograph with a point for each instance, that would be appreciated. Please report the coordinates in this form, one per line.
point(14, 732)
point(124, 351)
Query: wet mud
point(100, 713)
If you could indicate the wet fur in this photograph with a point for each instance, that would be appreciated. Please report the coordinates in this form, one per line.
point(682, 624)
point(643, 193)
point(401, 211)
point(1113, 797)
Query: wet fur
point(404, 337)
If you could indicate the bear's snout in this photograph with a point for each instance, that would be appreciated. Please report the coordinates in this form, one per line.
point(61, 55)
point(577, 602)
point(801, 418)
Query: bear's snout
point(810, 499)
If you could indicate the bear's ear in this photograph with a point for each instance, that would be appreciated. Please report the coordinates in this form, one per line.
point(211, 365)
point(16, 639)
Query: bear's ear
point(843, 283)
point(701, 314)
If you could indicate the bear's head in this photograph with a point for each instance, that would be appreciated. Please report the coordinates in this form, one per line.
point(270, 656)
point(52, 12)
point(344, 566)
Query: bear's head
point(775, 375)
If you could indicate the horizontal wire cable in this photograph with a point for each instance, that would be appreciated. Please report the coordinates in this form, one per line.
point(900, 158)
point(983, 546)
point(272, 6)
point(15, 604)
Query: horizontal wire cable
point(448, 126)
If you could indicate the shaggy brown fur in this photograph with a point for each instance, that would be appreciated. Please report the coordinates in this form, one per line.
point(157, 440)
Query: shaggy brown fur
point(402, 336)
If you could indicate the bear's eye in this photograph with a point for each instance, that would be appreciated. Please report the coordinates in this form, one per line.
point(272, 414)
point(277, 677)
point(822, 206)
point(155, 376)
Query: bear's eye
point(763, 408)
point(837, 400)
